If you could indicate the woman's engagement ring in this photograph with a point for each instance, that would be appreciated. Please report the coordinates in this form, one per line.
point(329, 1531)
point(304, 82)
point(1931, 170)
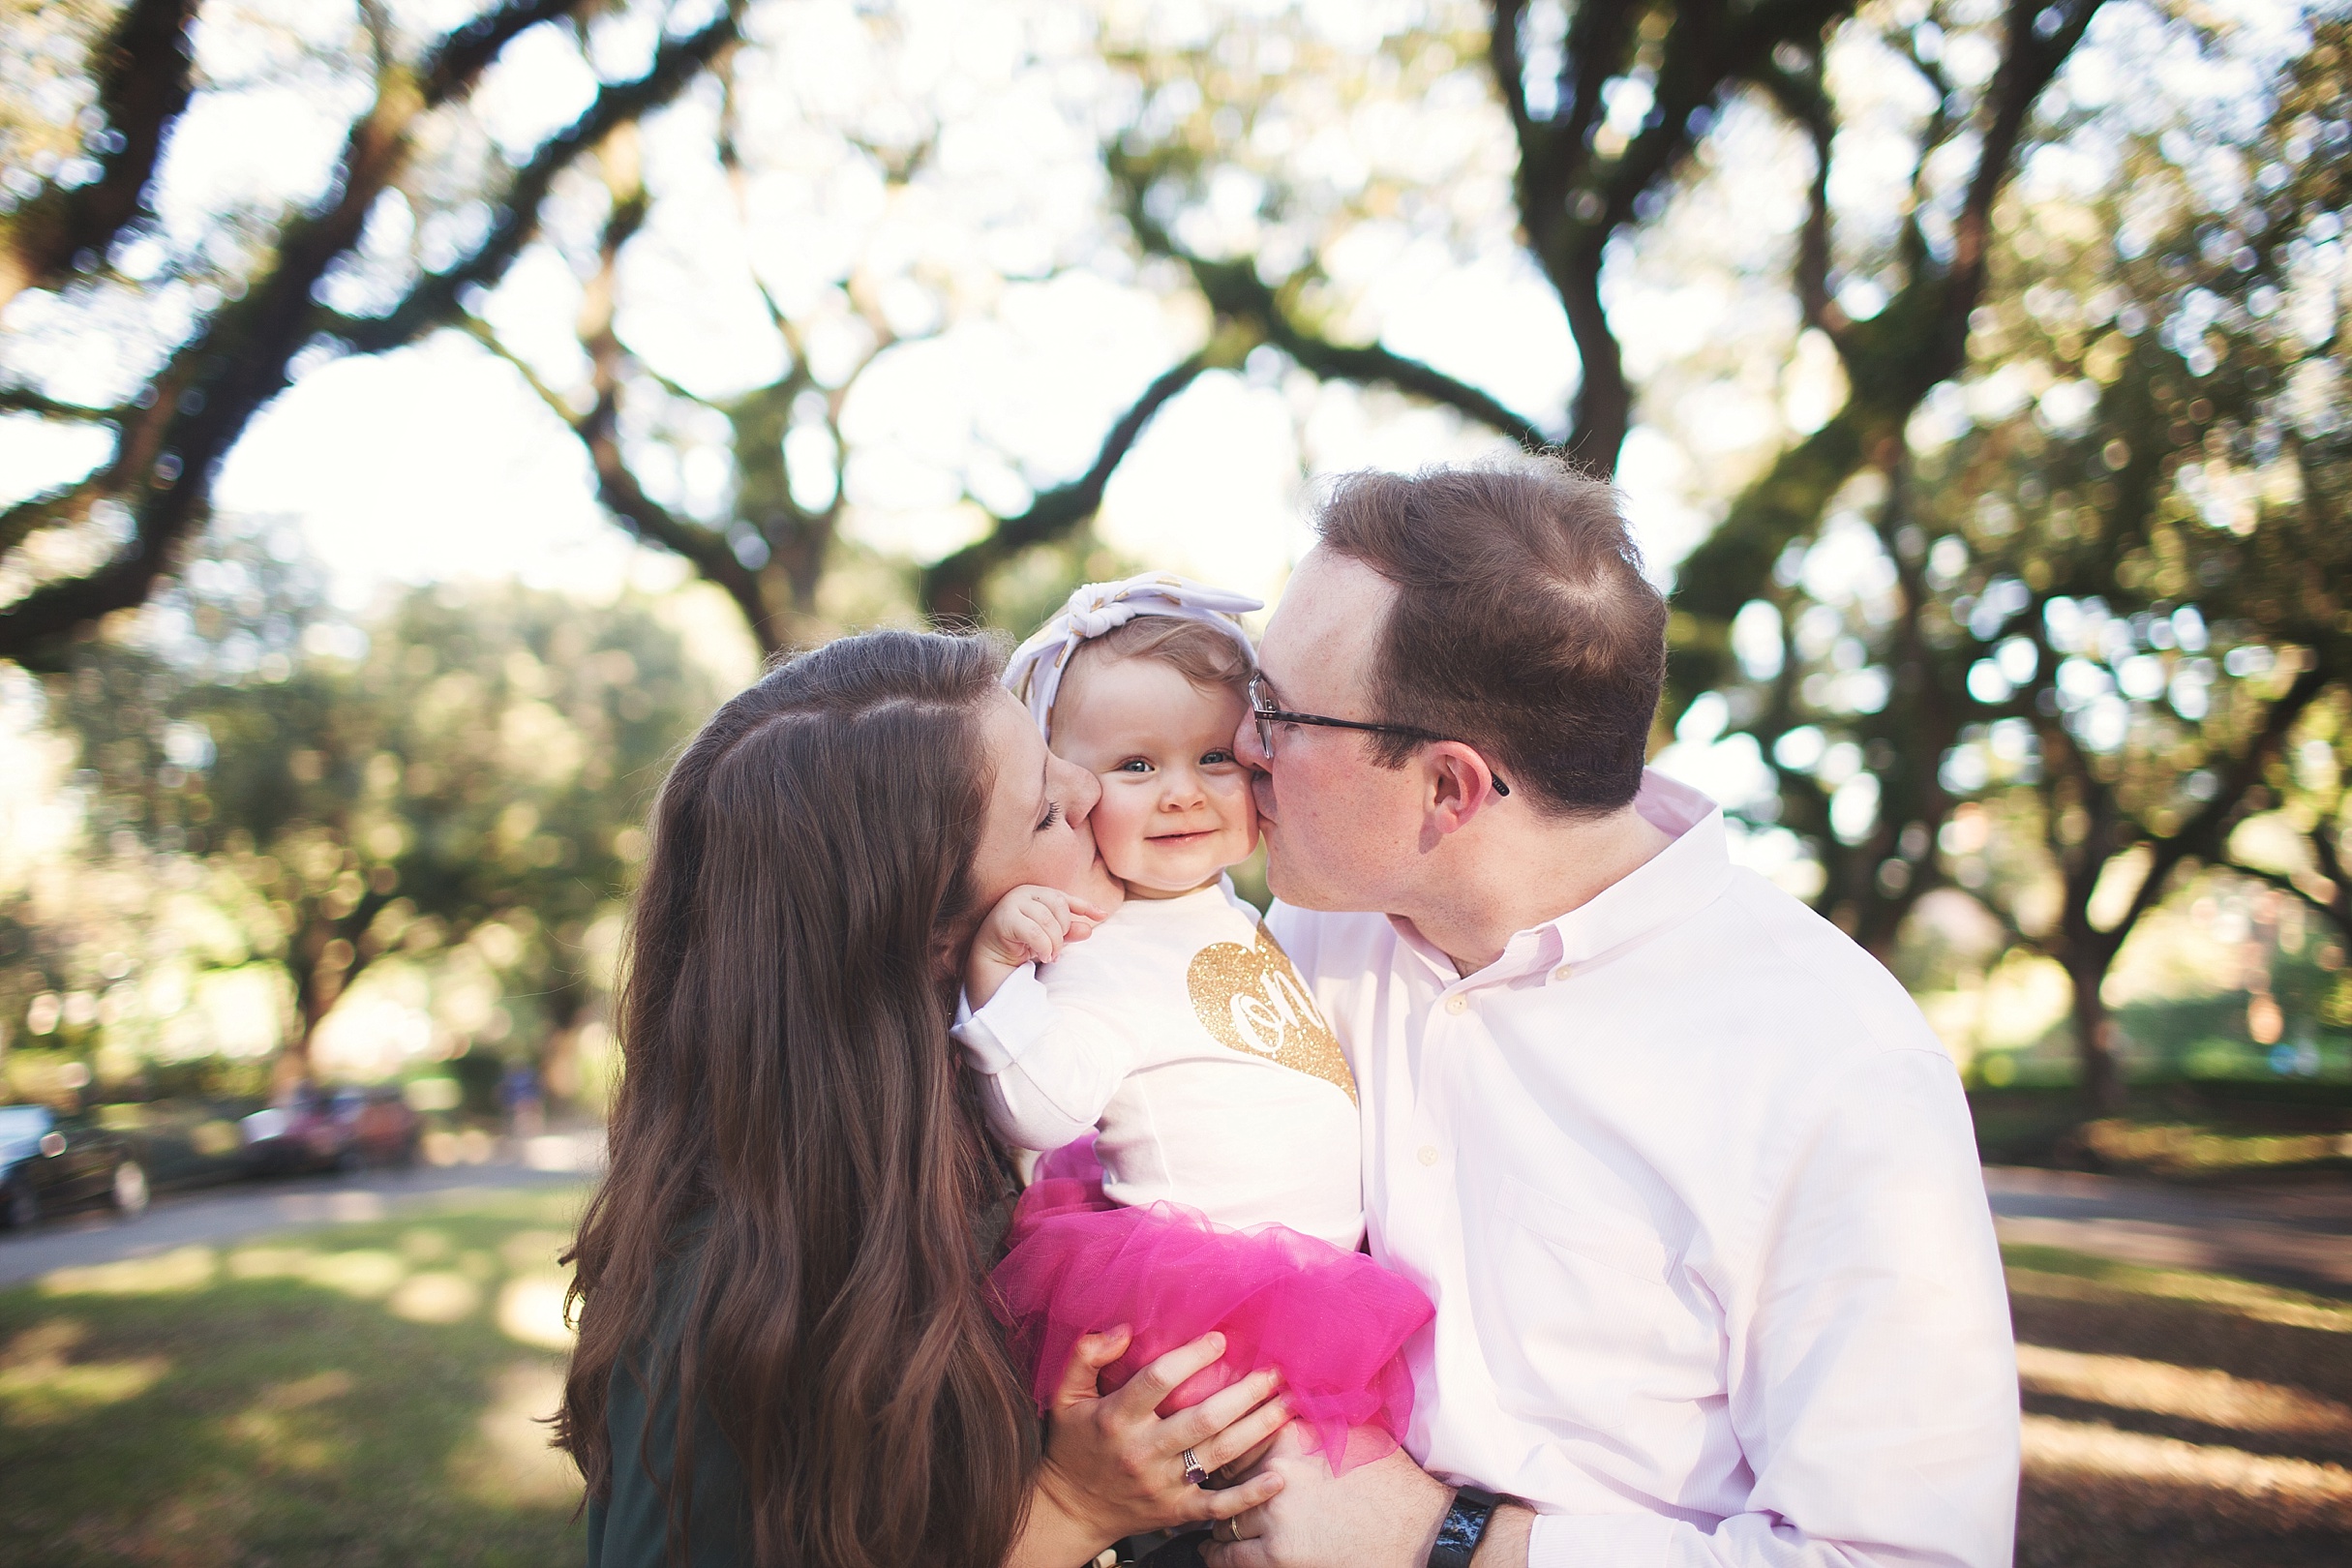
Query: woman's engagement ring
point(1193, 1474)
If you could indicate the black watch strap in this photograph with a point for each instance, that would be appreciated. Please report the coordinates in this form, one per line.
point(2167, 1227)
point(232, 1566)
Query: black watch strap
point(1464, 1525)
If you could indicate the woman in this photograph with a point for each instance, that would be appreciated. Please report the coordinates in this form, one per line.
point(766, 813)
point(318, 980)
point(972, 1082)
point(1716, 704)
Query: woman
point(786, 1356)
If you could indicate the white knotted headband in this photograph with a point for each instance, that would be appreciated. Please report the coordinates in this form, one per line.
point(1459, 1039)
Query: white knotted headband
point(1034, 674)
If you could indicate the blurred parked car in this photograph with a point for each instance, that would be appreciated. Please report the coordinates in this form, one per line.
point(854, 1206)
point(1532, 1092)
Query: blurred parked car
point(182, 1142)
point(50, 1162)
point(344, 1129)
point(384, 1128)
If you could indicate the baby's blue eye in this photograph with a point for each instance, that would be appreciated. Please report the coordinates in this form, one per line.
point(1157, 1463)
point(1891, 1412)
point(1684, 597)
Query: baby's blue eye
point(1216, 759)
point(1134, 765)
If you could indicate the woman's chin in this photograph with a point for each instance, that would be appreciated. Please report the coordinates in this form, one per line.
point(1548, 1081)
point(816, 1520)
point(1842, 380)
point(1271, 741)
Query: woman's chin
point(1099, 883)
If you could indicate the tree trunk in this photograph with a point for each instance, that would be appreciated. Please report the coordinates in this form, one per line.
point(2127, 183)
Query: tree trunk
point(569, 1009)
point(2094, 1037)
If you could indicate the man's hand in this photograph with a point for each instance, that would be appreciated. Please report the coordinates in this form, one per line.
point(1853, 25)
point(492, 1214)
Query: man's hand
point(1382, 1515)
point(1029, 925)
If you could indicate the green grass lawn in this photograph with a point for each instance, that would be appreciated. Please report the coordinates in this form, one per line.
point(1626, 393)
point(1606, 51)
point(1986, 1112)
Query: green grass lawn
point(2176, 1419)
point(362, 1394)
point(2209, 1131)
point(368, 1394)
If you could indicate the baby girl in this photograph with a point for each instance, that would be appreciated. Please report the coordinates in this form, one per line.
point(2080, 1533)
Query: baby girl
point(1223, 1187)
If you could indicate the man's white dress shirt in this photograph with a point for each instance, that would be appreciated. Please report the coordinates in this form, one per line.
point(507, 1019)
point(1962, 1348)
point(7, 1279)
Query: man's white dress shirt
point(1694, 1188)
point(1180, 1034)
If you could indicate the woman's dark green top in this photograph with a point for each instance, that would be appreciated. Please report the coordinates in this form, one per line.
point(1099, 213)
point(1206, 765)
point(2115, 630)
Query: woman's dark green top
point(630, 1527)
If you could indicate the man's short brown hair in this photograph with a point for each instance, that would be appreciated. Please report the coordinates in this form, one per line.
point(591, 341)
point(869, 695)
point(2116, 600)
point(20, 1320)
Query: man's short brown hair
point(1523, 625)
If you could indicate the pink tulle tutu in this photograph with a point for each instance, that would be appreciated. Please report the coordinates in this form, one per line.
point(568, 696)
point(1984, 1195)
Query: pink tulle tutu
point(1332, 1323)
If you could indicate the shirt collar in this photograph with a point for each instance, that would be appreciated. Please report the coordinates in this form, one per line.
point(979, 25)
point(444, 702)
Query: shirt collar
point(1685, 876)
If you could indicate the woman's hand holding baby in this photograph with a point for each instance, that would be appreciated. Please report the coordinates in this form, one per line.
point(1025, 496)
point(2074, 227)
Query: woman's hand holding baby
point(1115, 1462)
point(1029, 925)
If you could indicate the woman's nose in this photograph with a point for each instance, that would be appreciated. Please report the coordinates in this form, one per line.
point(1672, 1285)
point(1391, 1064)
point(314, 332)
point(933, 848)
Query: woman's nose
point(1085, 793)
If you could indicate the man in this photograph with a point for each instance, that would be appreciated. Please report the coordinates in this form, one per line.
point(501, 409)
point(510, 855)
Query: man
point(1688, 1178)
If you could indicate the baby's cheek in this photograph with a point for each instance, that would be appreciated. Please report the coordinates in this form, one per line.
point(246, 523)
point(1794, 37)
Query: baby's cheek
point(1118, 821)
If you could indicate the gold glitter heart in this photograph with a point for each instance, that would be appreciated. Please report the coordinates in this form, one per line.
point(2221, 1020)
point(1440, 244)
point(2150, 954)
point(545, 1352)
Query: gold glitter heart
point(1253, 1002)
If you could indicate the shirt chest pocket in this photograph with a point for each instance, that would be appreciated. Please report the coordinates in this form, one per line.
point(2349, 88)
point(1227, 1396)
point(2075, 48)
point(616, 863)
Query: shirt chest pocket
point(1587, 1317)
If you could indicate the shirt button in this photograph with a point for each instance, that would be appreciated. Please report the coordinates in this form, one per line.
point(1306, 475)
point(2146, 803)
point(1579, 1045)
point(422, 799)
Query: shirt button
point(1428, 1155)
point(1457, 1004)
point(1563, 972)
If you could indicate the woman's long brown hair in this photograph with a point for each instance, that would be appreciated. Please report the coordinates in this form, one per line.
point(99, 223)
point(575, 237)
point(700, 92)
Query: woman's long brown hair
point(787, 1075)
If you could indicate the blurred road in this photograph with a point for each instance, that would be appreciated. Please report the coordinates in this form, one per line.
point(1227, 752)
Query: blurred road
point(214, 1215)
point(2299, 1235)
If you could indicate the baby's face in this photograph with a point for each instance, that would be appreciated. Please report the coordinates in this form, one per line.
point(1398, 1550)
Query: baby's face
point(1176, 806)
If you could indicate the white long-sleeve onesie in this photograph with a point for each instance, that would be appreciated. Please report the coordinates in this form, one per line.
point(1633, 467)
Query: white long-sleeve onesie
point(1181, 1035)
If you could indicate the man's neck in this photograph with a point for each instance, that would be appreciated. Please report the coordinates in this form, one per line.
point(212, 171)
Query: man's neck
point(1477, 894)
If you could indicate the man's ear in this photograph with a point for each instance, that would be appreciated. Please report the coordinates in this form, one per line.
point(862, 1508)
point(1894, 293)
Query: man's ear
point(1460, 786)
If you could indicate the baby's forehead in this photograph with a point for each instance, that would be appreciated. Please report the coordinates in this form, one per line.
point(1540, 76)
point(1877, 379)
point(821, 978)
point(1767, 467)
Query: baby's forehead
point(1137, 695)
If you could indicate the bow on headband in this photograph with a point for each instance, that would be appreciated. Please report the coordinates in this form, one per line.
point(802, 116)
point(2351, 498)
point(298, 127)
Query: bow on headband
point(1035, 675)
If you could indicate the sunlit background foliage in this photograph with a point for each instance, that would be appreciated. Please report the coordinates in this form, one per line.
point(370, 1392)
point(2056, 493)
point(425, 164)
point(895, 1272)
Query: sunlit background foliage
point(414, 419)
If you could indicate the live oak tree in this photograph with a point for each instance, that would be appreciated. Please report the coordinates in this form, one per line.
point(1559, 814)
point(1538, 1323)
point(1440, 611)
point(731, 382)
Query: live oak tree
point(2151, 564)
point(1610, 105)
point(467, 760)
point(419, 221)
point(2036, 543)
point(772, 539)
point(1878, 698)
point(209, 326)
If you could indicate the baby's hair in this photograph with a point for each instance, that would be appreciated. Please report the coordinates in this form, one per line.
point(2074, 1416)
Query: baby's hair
point(1203, 655)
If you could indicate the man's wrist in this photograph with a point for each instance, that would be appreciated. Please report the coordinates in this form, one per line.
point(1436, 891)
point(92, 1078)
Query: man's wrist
point(1432, 1515)
point(1462, 1527)
point(1505, 1545)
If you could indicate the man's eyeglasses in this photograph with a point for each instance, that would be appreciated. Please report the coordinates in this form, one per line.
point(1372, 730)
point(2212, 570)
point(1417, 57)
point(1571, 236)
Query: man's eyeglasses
point(1261, 706)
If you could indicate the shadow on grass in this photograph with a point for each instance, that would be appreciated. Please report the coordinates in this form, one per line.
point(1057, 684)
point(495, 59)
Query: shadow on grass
point(2173, 1418)
point(360, 1396)
point(2216, 1130)
point(367, 1396)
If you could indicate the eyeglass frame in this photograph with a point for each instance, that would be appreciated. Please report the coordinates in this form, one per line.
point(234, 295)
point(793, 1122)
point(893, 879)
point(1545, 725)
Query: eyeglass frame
point(1268, 717)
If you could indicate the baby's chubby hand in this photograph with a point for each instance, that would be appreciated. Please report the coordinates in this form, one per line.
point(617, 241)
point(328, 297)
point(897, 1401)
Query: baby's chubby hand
point(1029, 924)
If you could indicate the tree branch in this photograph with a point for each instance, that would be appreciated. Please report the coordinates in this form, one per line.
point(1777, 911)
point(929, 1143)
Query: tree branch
point(449, 71)
point(2337, 912)
point(25, 400)
point(1510, 66)
point(1573, 200)
point(51, 508)
point(1372, 365)
point(436, 300)
point(2032, 58)
point(617, 488)
point(949, 590)
point(1802, 100)
point(1235, 292)
point(237, 362)
point(480, 332)
point(2206, 834)
point(143, 70)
